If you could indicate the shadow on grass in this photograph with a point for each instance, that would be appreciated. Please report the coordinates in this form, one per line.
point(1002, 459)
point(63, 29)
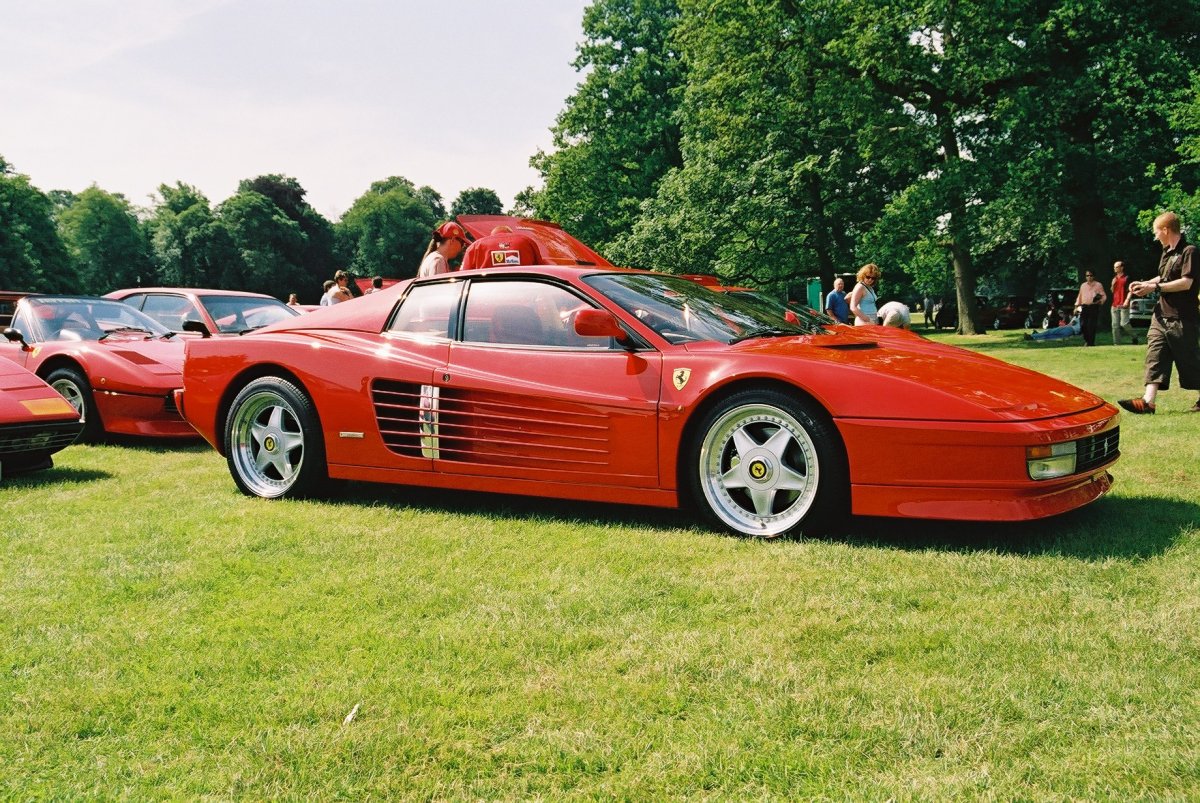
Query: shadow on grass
point(156, 445)
point(54, 476)
point(1130, 529)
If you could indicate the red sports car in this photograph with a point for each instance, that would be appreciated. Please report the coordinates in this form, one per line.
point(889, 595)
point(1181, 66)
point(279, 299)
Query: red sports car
point(223, 312)
point(116, 366)
point(35, 421)
point(634, 387)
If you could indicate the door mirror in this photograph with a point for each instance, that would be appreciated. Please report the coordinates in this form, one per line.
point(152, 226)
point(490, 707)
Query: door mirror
point(15, 336)
point(599, 323)
point(196, 326)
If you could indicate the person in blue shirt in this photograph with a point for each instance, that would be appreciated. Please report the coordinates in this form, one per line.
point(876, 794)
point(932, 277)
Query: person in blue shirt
point(835, 303)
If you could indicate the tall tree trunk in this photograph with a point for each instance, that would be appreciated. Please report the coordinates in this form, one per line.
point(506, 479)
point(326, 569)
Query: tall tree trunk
point(959, 242)
point(822, 245)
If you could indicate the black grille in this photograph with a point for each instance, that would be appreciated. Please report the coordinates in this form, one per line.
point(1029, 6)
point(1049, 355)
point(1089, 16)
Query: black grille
point(26, 438)
point(398, 414)
point(1096, 450)
point(169, 406)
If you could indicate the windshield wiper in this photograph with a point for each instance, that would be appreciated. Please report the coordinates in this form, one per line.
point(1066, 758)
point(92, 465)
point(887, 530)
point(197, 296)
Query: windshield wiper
point(764, 331)
point(121, 330)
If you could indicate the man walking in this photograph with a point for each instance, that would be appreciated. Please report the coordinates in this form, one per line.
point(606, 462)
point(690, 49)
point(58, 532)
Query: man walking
point(1120, 304)
point(1091, 296)
point(1174, 335)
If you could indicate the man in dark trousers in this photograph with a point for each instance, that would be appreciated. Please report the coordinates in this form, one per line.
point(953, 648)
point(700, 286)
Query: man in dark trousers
point(1174, 335)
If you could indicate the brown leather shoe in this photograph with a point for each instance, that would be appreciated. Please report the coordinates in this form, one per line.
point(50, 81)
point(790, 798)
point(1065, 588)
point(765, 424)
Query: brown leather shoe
point(1138, 406)
point(1195, 408)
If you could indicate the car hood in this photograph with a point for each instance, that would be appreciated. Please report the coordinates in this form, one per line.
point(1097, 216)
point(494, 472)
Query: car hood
point(859, 373)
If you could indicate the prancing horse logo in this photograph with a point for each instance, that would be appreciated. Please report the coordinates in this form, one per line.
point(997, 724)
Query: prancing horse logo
point(681, 377)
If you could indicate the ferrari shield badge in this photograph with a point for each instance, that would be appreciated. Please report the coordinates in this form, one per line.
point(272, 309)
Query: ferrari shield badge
point(681, 377)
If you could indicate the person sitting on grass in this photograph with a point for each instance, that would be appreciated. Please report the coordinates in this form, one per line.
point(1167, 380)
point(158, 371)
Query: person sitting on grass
point(1058, 332)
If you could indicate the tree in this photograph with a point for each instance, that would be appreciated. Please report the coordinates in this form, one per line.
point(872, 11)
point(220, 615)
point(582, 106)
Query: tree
point(191, 247)
point(773, 187)
point(619, 133)
point(386, 230)
point(317, 259)
point(32, 254)
point(106, 242)
point(268, 245)
point(476, 201)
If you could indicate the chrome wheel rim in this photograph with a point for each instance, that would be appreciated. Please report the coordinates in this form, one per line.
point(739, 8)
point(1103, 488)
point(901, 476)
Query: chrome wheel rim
point(267, 444)
point(759, 470)
point(73, 394)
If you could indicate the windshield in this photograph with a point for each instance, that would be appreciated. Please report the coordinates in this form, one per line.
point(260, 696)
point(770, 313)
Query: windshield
point(233, 314)
point(682, 311)
point(810, 316)
point(83, 318)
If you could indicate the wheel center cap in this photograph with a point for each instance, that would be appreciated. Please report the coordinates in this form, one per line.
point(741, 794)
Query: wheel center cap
point(760, 470)
point(269, 443)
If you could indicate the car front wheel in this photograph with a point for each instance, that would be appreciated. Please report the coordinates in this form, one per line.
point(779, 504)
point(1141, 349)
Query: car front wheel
point(73, 385)
point(764, 463)
point(273, 440)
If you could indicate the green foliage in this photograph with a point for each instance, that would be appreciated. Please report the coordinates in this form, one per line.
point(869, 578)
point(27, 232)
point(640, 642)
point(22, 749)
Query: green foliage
point(476, 201)
point(619, 133)
point(315, 262)
point(107, 243)
point(386, 230)
point(963, 144)
point(268, 244)
point(32, 254)
point(192, 248)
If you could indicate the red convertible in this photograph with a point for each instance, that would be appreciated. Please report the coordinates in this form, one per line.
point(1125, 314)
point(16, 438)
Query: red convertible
point(35, 422)
point(116, 366)
point(585, 381)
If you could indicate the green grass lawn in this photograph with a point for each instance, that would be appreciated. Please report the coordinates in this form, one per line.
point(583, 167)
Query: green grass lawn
point(162, 636)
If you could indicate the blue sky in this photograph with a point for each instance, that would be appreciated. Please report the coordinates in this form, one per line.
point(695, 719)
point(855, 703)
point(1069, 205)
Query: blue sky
point(131, 94)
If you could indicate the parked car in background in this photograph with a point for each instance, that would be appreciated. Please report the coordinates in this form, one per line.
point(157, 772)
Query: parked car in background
point(223, 312)
point(116, 366)
point(605, 384)
point(1013, 312)
point(945, 312)
point(1141, 310)
point(35, 421)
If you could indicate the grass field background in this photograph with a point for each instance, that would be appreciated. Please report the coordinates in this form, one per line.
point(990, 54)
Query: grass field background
point(163, 636)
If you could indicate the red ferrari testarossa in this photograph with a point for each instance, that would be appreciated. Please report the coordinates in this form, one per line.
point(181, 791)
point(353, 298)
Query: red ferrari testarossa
point(579, 380)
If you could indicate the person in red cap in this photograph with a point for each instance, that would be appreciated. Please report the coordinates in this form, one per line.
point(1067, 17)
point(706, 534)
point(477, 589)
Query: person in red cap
point(448, 242)
point(503, 247)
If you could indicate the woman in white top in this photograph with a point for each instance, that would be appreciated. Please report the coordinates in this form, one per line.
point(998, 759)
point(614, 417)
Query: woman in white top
point(862, 297)
point(338, 292)
point(448, 242)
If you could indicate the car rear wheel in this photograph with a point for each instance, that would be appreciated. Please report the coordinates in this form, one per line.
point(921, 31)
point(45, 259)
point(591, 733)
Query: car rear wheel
point(273, 440)
point(72, 385)
point(763, 464)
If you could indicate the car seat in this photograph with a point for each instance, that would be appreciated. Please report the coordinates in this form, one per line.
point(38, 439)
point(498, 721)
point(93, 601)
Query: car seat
point(517, 323)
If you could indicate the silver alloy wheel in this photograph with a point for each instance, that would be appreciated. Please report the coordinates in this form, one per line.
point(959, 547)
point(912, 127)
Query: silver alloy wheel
point(71, 391)
point(267, 443)
point(759, 469)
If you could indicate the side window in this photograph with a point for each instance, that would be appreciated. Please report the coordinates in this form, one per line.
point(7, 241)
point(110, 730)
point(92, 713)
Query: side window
point(170, 311)
point(524, 313)
point(428, 309)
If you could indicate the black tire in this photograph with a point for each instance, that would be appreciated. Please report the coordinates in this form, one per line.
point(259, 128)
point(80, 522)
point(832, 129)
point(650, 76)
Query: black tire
point(784, 482)
point(73, 385)
point(273, 441)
